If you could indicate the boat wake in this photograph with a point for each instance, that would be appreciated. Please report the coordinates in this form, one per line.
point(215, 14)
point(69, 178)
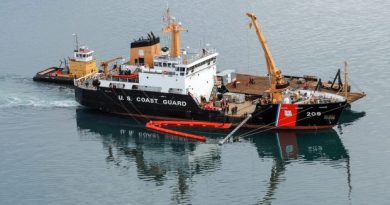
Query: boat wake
point(30, 101)
point(19, 91)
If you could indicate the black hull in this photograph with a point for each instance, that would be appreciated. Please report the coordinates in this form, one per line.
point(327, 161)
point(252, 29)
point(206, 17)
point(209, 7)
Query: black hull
point(47, 75)
point(56, 80)
point(154, 105)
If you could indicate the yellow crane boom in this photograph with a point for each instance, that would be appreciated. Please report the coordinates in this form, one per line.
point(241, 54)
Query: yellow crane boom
point(278, 83)
point(104, 64)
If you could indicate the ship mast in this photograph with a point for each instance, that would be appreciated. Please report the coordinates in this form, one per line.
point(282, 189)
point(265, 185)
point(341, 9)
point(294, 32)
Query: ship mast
point(174, 27)
point(345, 80)
point(278, 83)
point(76, 40)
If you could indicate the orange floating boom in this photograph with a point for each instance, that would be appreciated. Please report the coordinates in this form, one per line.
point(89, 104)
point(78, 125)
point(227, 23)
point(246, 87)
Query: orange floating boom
point(156, 125)
point(193, 124)
point(177, 133)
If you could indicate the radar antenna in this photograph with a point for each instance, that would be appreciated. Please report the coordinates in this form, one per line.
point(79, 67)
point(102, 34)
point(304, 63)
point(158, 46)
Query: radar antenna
point(76, 39)
point(174, 27)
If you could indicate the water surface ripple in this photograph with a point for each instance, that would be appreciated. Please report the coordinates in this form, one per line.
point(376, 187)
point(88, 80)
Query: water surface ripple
point(56, 152)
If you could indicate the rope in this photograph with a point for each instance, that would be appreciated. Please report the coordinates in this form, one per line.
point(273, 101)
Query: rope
point(135, 108)
point(120, 104)
point(246, 135)
point(269, 124)
point(355, 85)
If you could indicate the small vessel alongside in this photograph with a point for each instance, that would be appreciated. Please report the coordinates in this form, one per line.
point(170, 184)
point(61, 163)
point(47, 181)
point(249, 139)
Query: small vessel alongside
point(54, 75)
point(177, 84)
point(81, 64)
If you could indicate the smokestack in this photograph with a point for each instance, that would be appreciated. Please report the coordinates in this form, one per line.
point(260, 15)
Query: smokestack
point(154, 37)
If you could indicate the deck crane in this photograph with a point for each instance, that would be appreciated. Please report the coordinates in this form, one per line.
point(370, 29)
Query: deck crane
point(278, 83)
point(105, 64)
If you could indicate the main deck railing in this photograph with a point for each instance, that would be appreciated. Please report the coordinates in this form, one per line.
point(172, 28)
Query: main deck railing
point(86, 81)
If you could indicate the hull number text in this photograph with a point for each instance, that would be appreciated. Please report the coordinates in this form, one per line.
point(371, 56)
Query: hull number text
point(313, 114)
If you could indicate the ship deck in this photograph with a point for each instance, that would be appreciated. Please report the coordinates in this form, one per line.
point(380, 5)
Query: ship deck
point(53, 75)
point(262, 85)
point(242, 108)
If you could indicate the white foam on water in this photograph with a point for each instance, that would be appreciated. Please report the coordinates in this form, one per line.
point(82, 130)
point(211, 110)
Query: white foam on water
point(23, 92)
point(65, 103)
point(30, 101)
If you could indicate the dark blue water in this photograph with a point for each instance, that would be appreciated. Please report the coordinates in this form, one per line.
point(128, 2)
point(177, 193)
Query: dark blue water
point(54, 151)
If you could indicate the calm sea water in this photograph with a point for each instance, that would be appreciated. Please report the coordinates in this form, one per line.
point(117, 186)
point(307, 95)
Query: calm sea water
point(54, 151)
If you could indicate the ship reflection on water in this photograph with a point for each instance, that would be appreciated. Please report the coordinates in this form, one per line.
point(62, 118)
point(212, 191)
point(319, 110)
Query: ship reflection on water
point(348, 118)
point(156, 155)
point(290, 147)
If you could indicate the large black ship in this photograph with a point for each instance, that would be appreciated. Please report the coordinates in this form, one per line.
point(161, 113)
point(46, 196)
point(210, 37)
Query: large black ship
point(155, 105)
point(172, 83)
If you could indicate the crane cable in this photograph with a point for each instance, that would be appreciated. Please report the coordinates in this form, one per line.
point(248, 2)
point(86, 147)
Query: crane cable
point(272, 128)
point(251, 132)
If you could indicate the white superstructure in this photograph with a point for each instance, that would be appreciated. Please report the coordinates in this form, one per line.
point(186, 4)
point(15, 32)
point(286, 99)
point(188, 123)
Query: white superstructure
point(83, 54)
point(172, 75)
point(169, 70)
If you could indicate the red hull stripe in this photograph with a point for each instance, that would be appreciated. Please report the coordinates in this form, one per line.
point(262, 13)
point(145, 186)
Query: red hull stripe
point(287, 115)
